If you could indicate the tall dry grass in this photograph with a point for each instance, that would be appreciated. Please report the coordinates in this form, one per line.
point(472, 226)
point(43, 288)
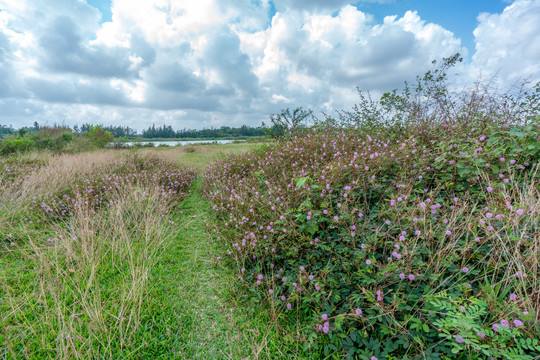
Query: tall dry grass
point(76, 288)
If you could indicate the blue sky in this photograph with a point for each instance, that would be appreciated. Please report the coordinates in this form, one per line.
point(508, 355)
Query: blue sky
point(210, 63)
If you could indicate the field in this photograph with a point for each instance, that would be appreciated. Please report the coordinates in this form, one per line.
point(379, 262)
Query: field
point(404, 229)
point(328, 244)
point(107, 255)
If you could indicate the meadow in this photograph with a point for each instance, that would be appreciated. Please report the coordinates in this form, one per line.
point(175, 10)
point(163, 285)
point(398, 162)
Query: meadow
point(403, 229)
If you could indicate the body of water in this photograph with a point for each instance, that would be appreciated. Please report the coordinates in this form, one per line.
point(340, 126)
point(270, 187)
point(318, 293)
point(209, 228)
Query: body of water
point(176, 142)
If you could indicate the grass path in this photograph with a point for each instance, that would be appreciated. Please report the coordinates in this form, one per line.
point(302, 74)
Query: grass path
point(190, 317)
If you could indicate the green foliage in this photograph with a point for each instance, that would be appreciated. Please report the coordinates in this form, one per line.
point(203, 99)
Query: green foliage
point(98, 136)
point(410, 211)
point(287, 122)
point(11, 145)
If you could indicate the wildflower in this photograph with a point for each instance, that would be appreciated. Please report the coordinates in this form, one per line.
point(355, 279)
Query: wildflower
point(417, 232)
point(519, 211)
point(411, 277)
point(402, 276)
point(368, 262)
point(271, 291)
point(459, 339)
point(513, 296)
point(489, 189)
point(465, 270)
point(448, 232)
point(379, 295)
point(289, 305)
point(358, 312)
point(519, 274)
point(310, 277)
point(283, 298)
point(504, 323)
point(518, 323)
point(495, 327)
point(423, 204)
point(482, 336)
point(373, 358)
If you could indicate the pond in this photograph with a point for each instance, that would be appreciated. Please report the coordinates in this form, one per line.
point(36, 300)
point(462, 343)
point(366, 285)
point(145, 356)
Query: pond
point(176, 142)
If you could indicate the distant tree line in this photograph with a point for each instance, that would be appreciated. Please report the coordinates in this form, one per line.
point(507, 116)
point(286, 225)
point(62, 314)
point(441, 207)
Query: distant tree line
point(166, 131)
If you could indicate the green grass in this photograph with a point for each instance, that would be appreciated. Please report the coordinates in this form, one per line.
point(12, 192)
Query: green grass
point(113, 294)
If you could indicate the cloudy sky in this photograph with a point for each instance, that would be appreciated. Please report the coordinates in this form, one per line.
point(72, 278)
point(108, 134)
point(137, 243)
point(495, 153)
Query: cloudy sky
point(203, 63)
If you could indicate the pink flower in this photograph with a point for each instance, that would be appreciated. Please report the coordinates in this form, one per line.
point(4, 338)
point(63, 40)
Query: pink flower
point(402, 276)
point(368, 262)
point(519, 211)
point(489, 189)
point(513, 296)
point(465, 270)
point(358, 312)
point(459, 339)
point(482, 336)
point(411, 277)
point(518, 323)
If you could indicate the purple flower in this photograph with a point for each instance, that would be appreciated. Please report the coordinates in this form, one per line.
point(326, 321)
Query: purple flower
point(402, 276)
point(518, 323)
point(495, 327)
point(324, 316)
point(289, 305)
point(448, 232)
point(411, 277)
point(459, 339)
point(379, 295)
point(482, 336)
point(504, 323)
point(489, 189)
point(271, 291)
point(465, 270)
point(368, 262)
point(283, 298)
point(519, 211)
point(373, 358)
point(513, 296)
point(358, 312)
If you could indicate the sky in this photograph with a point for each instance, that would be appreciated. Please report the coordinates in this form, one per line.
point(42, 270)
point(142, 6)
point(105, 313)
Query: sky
point(212, 63)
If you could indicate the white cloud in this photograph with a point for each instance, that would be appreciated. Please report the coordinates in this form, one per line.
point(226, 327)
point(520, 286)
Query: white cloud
point(226, 62)
point(509, 43)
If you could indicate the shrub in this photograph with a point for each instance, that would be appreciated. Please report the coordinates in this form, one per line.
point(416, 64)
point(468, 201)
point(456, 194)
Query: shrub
point(404, 229)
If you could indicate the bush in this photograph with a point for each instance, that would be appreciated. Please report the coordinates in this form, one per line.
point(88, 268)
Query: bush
point(412, 237)
point(11, 145)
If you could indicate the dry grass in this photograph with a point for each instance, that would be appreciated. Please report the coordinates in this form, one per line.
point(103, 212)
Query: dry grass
point(75, 289)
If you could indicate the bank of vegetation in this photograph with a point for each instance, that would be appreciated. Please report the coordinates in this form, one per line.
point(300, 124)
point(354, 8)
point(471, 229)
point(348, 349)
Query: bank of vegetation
point(406, 228)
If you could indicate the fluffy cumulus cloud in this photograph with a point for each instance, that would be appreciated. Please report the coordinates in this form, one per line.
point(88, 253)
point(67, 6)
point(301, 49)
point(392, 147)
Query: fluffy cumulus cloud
point(509, 43)
point(209, 63)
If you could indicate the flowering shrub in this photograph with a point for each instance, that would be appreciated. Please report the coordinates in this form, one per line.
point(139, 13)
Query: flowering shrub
point(132, 173)
point(371, 239)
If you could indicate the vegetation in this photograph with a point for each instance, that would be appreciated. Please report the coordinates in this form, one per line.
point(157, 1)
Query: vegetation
point(404, 229)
